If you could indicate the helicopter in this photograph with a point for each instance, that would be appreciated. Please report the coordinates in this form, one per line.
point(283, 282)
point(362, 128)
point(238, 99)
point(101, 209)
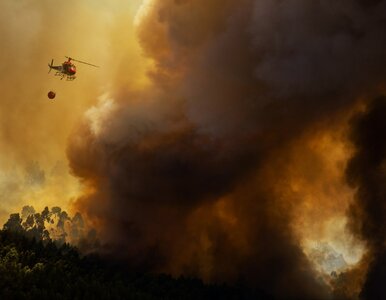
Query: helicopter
point(67, 69)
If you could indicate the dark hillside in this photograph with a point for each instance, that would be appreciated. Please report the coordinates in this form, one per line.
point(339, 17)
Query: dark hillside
point(36, 269)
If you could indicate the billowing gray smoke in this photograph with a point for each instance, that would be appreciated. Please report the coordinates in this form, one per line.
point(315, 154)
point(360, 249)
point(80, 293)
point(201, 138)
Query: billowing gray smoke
point(183, 176)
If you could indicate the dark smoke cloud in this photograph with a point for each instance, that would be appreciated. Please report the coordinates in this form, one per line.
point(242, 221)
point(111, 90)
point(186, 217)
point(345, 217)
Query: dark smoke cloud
point(183, 176)
point(366, 171)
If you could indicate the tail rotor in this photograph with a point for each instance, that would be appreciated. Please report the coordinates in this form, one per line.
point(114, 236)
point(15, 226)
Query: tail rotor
point(50, 65)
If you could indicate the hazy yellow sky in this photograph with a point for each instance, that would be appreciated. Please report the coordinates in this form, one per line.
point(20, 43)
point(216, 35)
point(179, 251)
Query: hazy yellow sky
point(33, 129)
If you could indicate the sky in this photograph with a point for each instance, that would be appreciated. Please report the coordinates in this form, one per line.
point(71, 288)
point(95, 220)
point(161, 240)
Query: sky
point(34, 130)
point(213, 131)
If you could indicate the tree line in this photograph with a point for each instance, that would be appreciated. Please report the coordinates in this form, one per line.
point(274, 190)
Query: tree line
point(34, 266)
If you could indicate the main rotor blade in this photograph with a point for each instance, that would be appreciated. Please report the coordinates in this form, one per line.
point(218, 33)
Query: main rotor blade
point(83, 62)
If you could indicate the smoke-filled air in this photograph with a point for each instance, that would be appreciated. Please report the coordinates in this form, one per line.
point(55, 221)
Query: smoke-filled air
point(233, 141)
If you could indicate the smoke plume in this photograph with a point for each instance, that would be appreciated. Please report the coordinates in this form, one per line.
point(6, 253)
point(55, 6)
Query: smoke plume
point(190, 175)
point(366, 171)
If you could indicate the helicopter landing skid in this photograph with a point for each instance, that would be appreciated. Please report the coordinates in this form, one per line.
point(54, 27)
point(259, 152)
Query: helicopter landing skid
point(68, 77)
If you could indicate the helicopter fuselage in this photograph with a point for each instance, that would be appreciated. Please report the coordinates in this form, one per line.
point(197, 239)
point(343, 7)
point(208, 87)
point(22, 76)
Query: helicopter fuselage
point(67, 69)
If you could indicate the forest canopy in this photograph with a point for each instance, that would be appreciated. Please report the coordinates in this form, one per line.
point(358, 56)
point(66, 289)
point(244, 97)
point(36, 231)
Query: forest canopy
point(36, 262)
